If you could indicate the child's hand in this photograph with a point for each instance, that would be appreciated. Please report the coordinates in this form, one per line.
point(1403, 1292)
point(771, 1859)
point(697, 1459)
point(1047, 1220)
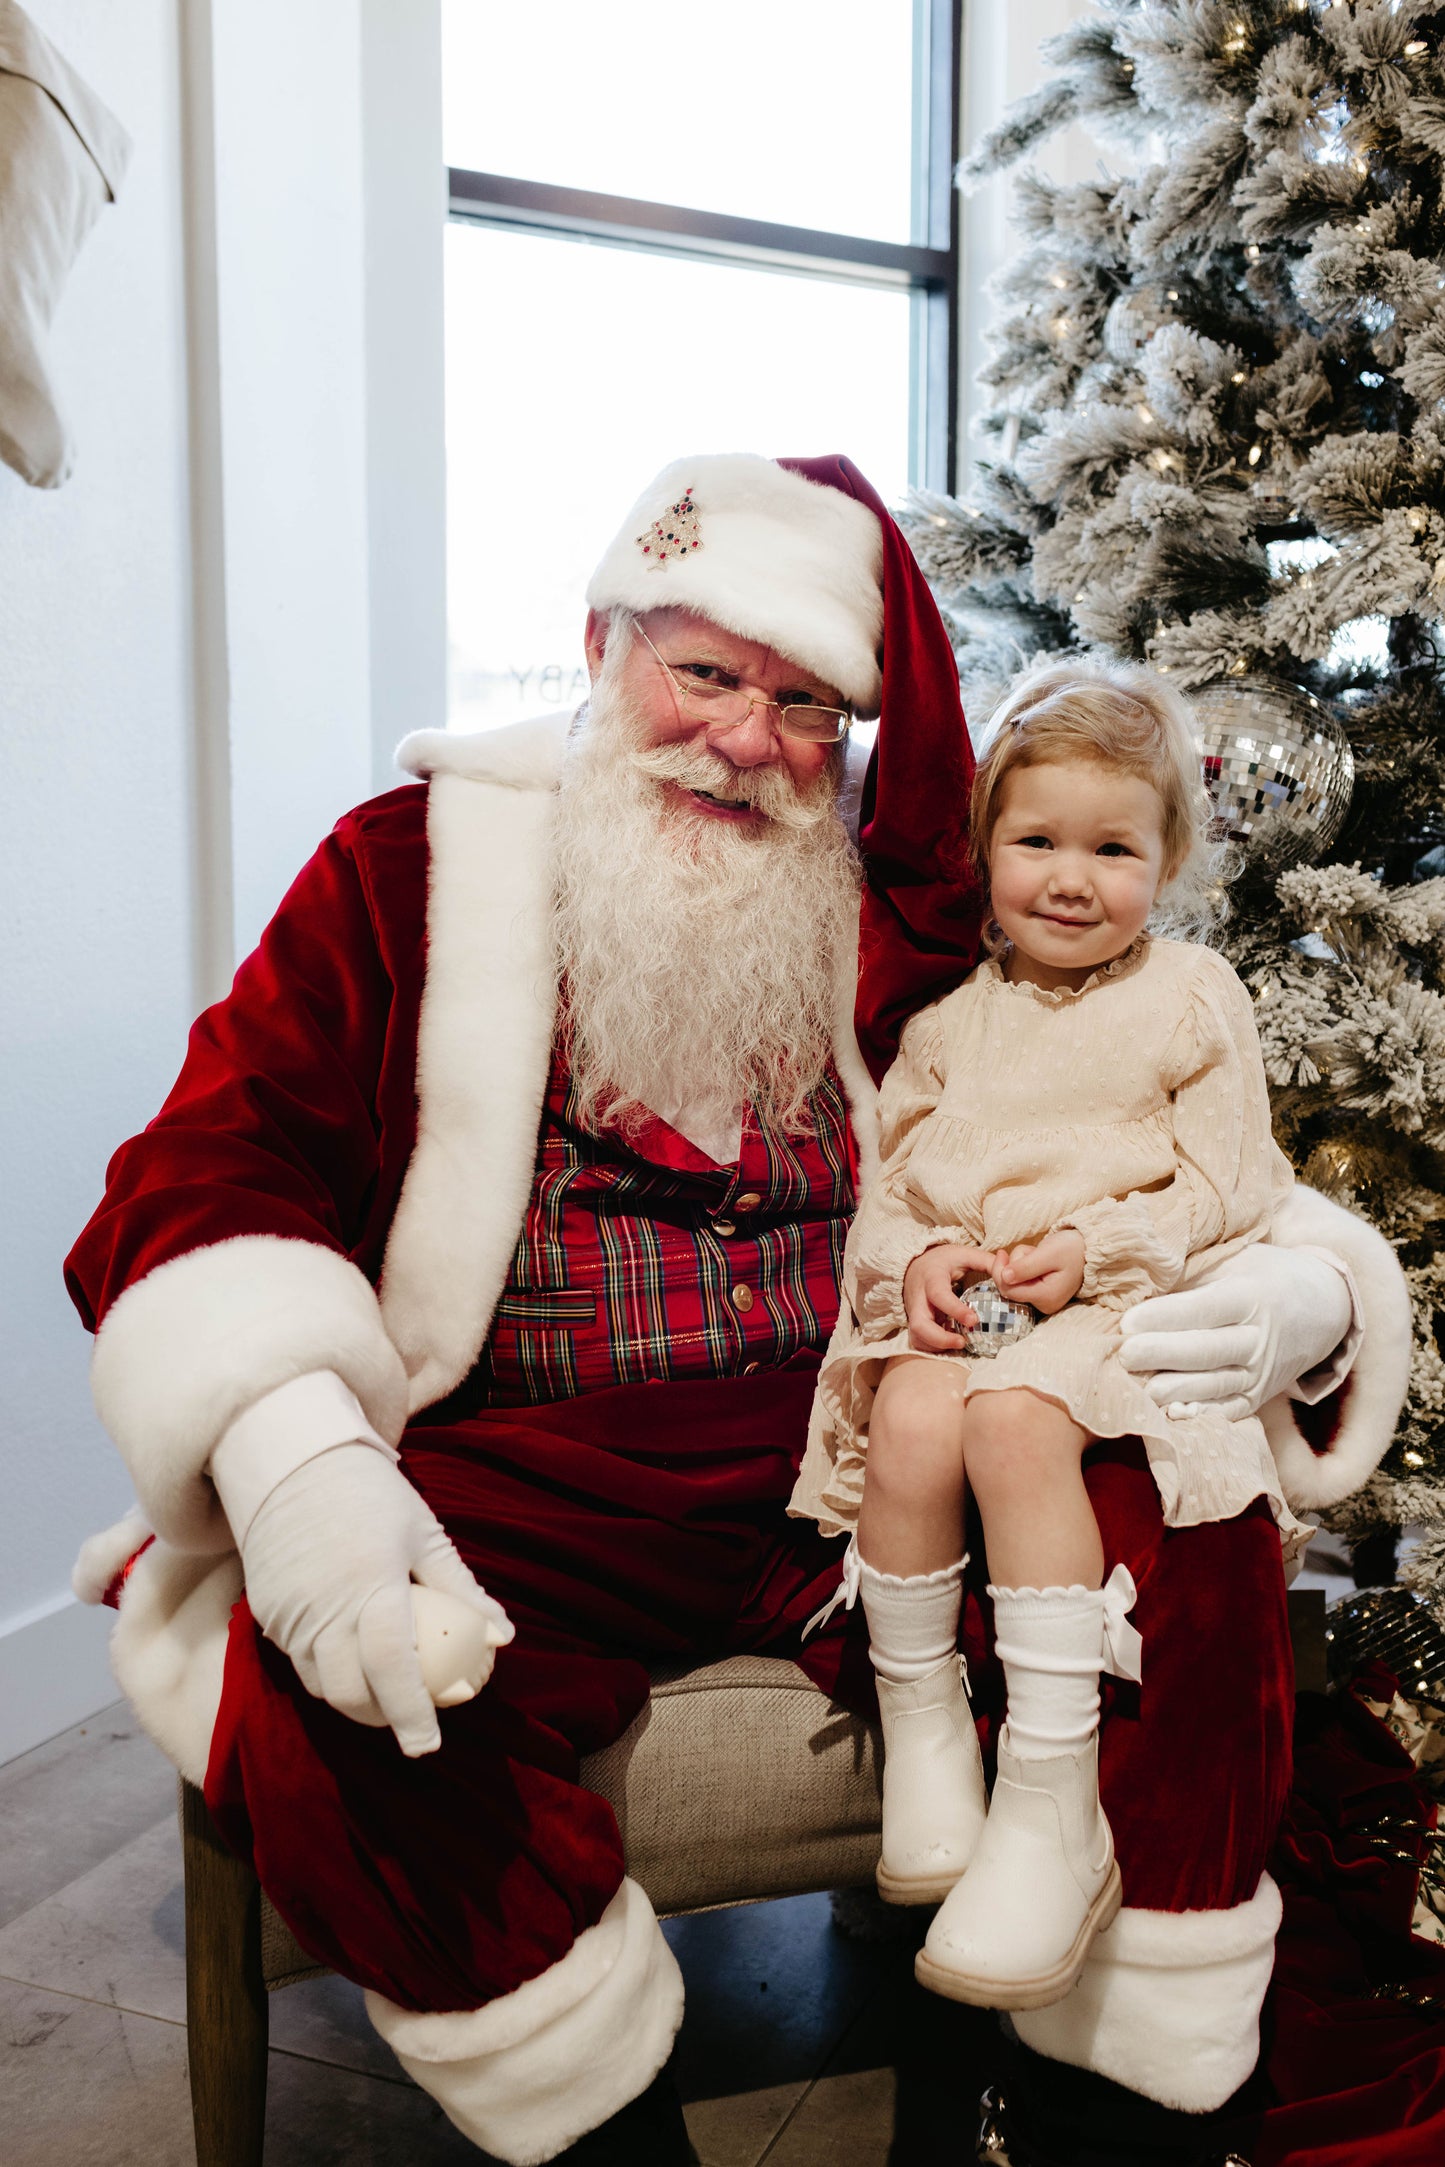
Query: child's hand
point(1046, 1274)
point(936, 1315)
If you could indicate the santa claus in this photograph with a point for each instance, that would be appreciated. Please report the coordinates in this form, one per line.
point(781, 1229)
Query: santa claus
point(487, 1243)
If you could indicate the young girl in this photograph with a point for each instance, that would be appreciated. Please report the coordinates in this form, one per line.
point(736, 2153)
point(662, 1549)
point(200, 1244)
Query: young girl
point(1083, 1121)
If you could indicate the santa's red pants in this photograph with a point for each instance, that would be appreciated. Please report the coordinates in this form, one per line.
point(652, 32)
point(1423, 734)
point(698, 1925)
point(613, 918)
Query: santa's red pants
point(649, 1523)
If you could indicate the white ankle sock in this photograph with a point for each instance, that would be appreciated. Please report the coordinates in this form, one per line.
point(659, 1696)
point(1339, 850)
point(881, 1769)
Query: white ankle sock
point(913, 1622)
point(1051, 1644)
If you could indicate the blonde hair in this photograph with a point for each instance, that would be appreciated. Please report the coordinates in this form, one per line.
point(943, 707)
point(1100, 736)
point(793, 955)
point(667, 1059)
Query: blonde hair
point(1117, 715)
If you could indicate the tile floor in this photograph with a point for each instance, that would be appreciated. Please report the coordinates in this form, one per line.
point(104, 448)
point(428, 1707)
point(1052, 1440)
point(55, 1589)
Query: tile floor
point(802, 2047)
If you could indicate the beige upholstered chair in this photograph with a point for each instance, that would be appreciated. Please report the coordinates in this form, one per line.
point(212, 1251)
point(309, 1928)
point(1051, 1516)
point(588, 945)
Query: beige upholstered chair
point(738, 1782)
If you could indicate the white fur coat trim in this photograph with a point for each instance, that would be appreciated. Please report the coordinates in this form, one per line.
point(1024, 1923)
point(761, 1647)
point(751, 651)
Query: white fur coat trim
point(101, 1556)
point(185, 1349)
point(1374, 1391)
point(1169, 2002)
point(168, 1649)
point(487, 1018)
point(487, 1015)
point(531, 2072)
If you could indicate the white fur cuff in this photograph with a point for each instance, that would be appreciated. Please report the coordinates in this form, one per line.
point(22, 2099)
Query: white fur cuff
point(534, 2070)
point(168, 1650)
point(1374, 1391)
point(101, 1556)
point(190, 1346)
point(1168, 2003)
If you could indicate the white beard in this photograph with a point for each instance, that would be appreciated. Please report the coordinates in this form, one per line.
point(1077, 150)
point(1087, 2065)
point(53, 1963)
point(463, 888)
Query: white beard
point(700, 957)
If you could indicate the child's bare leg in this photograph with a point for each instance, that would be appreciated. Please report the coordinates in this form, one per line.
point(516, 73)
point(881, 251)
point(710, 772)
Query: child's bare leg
point(912, 1516)
point(1023, 1458)
point(910, 1569)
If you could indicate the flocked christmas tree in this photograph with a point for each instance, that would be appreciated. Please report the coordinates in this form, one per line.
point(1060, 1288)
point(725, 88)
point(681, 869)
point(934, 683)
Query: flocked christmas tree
point(1217, 443)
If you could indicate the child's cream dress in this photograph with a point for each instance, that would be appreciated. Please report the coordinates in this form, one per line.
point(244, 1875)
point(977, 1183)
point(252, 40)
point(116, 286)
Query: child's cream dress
point(1133, 1109)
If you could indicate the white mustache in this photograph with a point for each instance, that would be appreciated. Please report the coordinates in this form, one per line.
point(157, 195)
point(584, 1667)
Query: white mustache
point(769, 790)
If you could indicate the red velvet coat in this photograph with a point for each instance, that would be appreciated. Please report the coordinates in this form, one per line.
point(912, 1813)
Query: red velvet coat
point(295, 1112)
point(339, 1176)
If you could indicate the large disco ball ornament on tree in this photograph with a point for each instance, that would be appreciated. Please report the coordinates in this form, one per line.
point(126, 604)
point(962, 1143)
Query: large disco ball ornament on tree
point(1277, 765)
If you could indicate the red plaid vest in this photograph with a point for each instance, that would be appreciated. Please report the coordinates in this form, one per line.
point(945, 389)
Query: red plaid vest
point(646, 1260)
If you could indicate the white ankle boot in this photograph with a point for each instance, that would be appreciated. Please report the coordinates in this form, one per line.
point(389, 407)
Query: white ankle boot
point(934, 1801)
point(1015, 1932)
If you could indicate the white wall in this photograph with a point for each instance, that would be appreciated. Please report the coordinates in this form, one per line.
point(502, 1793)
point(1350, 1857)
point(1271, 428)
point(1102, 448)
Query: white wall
point(289, 253)
point(96, 864)
point(187, 633)
point(405, 205)
point(213, 635)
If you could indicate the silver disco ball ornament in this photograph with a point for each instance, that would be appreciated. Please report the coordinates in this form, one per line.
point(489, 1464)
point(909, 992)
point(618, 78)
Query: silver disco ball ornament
point(1000, 1321)
point(1277, 766)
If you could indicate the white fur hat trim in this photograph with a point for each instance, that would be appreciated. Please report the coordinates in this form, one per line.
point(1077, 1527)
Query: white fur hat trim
point(770, 556)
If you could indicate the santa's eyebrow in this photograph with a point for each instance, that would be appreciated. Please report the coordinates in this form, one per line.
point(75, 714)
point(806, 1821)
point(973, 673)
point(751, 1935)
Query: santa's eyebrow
point(803, 682)
point(698, 654)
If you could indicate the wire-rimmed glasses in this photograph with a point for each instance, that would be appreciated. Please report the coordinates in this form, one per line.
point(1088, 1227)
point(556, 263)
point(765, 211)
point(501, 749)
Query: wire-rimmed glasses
point(725, 706)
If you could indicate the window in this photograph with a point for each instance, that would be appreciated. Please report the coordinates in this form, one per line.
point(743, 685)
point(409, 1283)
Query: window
point(704, 228)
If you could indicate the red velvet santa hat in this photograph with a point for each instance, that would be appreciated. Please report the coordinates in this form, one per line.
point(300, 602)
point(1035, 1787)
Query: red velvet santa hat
point(803, 555)
point(922, 902)
point(758, 548)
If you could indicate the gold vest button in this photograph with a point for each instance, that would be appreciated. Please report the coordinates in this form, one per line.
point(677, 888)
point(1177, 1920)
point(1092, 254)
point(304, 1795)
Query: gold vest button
point(723, 1226)
point(749, 1201)
point(743, 1298)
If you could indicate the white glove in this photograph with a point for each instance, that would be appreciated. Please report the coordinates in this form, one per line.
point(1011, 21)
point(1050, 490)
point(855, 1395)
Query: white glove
point(329, 1559)
point(1265, 1319)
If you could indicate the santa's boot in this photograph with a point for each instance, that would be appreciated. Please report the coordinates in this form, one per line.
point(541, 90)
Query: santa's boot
point(1015, 1932)
point(650, 2129)
point(1048, 2114)
point(934, 1800)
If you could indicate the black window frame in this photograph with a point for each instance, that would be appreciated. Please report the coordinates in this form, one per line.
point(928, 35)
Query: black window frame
point(928, 270)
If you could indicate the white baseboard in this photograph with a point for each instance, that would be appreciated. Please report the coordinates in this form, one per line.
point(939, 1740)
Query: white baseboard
point(54, 1671)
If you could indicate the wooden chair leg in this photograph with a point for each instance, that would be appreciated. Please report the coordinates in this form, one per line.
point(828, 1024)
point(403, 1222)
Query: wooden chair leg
point(225, 1995)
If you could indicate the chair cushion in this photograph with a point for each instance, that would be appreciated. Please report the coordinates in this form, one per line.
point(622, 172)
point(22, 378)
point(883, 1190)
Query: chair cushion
point(738, 1781)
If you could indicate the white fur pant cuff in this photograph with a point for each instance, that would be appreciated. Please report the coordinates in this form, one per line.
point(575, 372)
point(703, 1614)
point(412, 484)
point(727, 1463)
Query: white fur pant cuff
point(536, 2069)
point(1168, 2003)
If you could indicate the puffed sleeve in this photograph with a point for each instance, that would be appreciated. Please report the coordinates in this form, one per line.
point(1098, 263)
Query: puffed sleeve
point(1230, 1175)
point(893, 1225)
point(912, 1087)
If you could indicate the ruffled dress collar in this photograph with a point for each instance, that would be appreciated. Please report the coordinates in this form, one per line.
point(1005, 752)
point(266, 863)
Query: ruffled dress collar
point(992, 968)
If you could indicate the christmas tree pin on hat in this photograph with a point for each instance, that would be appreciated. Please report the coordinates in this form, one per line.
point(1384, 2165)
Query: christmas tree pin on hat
point(674, 534)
